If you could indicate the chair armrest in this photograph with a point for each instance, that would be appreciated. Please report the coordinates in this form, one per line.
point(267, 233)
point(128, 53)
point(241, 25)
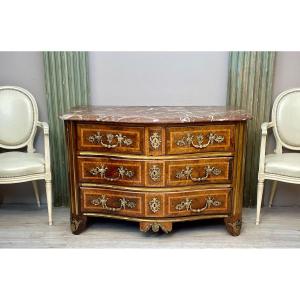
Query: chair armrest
point(264, 131)
point(265, 126)
point(45, 128)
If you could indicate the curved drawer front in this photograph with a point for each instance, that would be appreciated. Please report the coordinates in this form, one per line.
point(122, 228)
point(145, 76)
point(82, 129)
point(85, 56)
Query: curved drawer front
point(155, 204)
point(198, 139)
point(112, 202)
point(116, 139)
point(155, 173)
point(199, 171)
point(111, 171)
point(198, 202)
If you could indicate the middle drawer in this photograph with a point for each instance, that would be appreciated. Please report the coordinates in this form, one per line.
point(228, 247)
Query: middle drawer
point(154, 173)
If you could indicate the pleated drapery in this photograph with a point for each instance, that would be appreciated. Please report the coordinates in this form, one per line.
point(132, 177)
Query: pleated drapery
point(250, 83)
point(66, 76)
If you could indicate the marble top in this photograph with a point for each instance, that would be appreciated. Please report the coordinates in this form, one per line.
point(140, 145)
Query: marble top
point(156, 114)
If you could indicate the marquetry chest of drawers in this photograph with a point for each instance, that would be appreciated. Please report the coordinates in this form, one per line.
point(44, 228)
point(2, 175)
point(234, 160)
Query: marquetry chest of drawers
point(156, 165)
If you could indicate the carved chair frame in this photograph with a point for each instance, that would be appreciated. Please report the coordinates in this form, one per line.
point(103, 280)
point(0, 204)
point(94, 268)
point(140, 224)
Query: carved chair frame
point(30, 148)
point(280, 144)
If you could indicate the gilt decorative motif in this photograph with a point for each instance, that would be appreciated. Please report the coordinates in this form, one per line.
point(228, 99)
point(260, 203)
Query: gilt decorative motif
point(102, 201)
point(122, 173)
point(112, 140)
point(155, 140)
point(189, 140)
point(154, 173)
point(155, 226)
point(187, 205)
point(154, 205)
point(75, 224)
point(187, 173)
point(234, 225)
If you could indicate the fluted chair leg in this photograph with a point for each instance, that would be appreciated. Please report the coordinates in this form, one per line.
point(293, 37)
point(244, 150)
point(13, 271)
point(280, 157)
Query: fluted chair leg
point(49, 200)
point(260, 189)
point(36, 193)
point(273, 191)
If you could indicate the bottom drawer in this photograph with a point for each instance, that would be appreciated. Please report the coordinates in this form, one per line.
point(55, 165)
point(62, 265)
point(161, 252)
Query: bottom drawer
point(189, 203)
point(155, 204)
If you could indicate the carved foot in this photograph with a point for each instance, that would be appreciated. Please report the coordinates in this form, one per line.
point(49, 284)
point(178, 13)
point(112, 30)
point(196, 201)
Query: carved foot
point(166, 227)
point(78, 224)
point(233, 225)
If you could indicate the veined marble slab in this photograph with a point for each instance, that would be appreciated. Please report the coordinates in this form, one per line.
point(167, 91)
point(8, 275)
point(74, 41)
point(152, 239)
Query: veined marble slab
point(156, 114)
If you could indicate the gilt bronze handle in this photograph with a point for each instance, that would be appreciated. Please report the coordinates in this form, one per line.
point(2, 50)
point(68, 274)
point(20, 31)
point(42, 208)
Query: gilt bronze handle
point(102, 201)
point(122, 172)
point(188, 140)
point(187, 173)
point(112, 140)
point(187, 205)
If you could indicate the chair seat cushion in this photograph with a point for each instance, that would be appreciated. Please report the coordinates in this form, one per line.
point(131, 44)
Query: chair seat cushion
point(16, 163)
point(286, 164)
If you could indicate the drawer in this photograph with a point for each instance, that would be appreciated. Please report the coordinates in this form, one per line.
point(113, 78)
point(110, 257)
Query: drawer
point(201, 202)
point(111, 171)
point(198, 171)
point(154, 173)
point(123, 172)
point(198, 139)
point(112, 202)
point(113, 139)
point(155, 204)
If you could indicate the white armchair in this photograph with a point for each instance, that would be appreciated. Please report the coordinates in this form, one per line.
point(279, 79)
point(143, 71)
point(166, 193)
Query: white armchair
point(280, 166)
point(18, 125)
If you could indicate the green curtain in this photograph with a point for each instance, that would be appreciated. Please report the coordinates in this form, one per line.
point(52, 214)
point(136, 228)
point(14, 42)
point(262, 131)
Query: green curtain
point(66, 76)
point(250, 83)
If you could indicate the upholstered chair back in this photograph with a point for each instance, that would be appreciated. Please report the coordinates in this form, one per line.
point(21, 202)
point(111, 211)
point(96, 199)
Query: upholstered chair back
point(286, 119)
point(18, 118)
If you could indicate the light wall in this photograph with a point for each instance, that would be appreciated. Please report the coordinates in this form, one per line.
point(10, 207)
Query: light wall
point(158, 78)
point(144, 78)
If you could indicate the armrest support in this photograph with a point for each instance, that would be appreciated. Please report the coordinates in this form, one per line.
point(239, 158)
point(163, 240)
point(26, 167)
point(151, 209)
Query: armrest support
point(265, 126)
point(264, 131)
point(45, 128)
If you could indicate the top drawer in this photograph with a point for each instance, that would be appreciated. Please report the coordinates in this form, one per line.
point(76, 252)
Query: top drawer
point(104, 138)
point(155, 140)
point(198, 139)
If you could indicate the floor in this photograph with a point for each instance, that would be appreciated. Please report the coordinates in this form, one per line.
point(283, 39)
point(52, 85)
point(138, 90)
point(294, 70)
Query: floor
point(25, 226)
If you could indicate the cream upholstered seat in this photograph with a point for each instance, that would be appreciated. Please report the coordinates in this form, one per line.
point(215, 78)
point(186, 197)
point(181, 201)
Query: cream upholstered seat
point(281, 166)
point(21, 164)
point(286, 164)
point(18, 125)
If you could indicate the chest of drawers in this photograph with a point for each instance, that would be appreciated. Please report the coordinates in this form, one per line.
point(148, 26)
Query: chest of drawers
point(156, 165)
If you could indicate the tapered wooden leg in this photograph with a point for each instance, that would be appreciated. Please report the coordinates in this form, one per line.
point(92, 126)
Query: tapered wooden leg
point(273, 191)
point(36, 193)
point(260, 189)
point(49, 200)
point(164, 226)
point(234, 225)
point(78, 223)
